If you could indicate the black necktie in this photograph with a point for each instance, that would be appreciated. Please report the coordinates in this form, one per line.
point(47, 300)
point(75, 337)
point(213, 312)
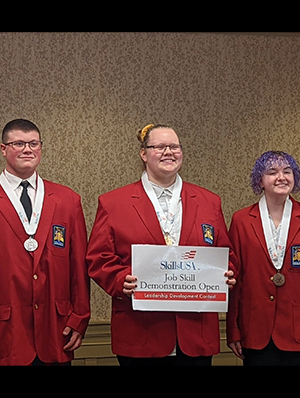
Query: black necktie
point(25, 199)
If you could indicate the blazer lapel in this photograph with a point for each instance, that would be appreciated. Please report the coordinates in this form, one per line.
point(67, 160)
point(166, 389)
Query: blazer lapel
point(293, 229)
point(11, 216)
point(44, 226)
point(146, 212)
point(189, 211)
point(294, 224)
point(257, 226)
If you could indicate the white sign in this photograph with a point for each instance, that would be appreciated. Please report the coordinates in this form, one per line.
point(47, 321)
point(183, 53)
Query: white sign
point(180, 278)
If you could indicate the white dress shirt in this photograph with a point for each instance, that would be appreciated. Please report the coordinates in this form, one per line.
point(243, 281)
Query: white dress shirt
point(15, 181)
point(164, 196)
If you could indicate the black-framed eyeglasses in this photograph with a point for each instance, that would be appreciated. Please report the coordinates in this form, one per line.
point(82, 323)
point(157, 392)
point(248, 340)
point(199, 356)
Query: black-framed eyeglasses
point(33, 145)
point(175, 148)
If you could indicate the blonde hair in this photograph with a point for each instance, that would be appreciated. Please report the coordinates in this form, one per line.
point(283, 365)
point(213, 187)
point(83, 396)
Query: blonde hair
point(143, 134)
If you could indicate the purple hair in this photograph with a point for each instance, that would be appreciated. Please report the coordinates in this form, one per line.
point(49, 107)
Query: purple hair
point(264, 162)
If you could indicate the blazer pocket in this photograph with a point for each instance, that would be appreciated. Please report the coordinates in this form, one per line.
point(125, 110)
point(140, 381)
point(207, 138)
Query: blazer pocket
point(64, 307)
point(296, 321)
point(5, 331)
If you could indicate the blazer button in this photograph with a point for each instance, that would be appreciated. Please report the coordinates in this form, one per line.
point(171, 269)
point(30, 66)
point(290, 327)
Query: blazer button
point(272, 298)
point(36, 306)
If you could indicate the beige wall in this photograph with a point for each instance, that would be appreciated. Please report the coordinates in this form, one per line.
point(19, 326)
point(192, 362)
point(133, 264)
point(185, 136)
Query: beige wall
point(229, 96)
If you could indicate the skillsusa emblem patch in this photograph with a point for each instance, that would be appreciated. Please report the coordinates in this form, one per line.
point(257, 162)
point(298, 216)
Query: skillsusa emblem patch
point(58, 236)
point(295, 260)
point(208, 233)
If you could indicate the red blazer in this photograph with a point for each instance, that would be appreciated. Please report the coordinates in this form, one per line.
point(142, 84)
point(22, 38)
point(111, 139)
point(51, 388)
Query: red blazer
point(124, 217)
point(258, 310)
point(43, 291)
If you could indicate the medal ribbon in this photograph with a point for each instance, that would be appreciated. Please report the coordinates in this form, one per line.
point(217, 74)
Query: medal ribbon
point(30, 227)
point(276, 253)
point(166, 223)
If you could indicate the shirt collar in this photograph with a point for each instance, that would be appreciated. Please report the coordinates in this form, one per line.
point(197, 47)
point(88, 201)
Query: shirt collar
point(15, 181)
point(159, 191)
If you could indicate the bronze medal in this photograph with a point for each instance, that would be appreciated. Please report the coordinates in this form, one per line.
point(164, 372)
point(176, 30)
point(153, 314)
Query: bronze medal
point(278, 279)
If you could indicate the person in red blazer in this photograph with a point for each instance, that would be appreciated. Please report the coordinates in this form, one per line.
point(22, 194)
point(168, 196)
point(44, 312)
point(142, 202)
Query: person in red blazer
point(263, 322)
point(127, 216)
point(44, 285)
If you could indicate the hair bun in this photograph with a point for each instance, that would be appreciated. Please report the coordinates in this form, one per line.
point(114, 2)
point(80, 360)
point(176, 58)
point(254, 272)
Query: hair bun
point(143, 132)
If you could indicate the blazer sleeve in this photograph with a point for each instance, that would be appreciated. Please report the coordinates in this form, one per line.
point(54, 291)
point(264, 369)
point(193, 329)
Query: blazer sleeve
point(224, 241)
point(105, 267)
point(80, 285)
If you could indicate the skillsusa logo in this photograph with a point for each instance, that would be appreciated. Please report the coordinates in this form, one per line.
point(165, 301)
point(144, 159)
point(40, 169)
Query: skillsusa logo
point(188, 255)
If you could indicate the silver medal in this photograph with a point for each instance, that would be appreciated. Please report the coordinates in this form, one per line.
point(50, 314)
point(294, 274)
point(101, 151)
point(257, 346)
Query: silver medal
point(30, 244)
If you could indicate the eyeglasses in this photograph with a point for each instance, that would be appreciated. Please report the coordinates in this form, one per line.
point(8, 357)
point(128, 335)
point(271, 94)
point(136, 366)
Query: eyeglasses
point(33, 145)
point(175, 148)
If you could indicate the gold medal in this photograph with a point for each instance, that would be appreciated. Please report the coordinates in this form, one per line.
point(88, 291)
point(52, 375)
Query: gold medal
point(278, 279)
point(168, 239)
